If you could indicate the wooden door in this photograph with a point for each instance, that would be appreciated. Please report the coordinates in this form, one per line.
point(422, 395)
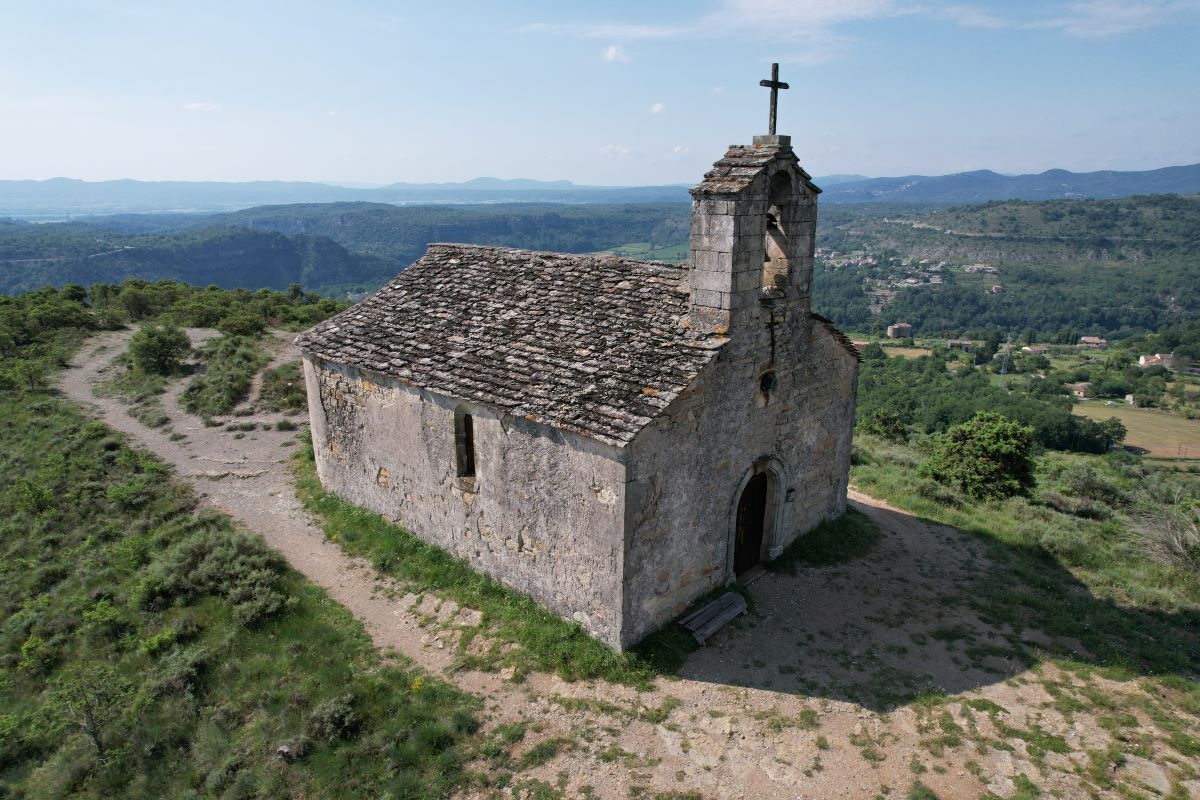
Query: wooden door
point(751, 521)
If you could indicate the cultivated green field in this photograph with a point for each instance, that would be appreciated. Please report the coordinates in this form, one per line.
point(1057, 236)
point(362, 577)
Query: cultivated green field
point(1159, 433)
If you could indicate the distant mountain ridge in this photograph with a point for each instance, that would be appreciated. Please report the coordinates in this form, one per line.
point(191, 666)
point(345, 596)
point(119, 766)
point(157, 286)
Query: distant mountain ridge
point(983, 185)
point(60, 198)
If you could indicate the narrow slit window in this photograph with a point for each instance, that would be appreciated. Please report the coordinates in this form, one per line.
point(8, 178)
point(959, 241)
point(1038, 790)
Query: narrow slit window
point(464, 444)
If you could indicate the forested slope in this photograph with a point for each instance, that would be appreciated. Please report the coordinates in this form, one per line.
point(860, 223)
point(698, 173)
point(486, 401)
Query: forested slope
point(38, 255)
point(1067, 268)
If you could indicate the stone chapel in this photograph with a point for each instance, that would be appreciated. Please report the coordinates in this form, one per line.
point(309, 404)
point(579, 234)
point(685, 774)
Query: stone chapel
point(612, 437)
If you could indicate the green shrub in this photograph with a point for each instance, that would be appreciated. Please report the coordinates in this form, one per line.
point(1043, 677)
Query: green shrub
point(230, 364)
point(226, 563)
point(283, 389)
point(241, 323)
point(988, 457)
point(158, 349)
point(886, 424)
point(333, 720)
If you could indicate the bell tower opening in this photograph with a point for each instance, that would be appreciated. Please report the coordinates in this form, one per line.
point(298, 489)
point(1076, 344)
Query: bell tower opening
point(776, 248)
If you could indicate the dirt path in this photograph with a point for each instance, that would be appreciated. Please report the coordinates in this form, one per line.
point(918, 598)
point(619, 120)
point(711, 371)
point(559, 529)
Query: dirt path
point(809, 697)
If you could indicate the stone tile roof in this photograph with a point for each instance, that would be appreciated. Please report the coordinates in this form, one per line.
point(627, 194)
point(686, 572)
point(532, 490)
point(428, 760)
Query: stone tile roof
point(586, 343)
point(740, 165)
point(842, 338)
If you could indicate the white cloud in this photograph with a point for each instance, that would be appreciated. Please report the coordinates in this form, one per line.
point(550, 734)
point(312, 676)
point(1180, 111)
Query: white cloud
point(615, 150)
point(718, 90)
point(657, 108)
point(614, 55)
point(971, 17)
point(1101, 19)
point(607, 30)
point(810, 29)
point(203, 107)
point(680, 150)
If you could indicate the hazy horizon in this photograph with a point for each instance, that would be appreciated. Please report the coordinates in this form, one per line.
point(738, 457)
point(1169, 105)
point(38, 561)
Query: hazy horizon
point(370, 94)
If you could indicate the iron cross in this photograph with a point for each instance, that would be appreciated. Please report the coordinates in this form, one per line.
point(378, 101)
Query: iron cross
point(774, 85)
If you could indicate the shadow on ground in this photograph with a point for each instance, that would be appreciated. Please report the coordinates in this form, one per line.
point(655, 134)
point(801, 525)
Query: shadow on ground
point(932, 610)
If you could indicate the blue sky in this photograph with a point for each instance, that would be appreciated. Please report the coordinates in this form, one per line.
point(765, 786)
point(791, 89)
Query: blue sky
point(605, 93)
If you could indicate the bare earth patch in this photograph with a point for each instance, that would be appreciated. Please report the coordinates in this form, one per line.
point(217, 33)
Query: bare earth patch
point(846, 681)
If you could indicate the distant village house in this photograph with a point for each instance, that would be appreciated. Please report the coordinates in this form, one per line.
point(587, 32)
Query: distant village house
point(901, 330)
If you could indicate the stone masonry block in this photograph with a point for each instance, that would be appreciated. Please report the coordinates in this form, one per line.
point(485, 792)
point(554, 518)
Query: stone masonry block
point(711, 281)
point(716, 226)
point(708, 298)
point(747, 260)
point(712, 261)
point(747, 280)
point(751, 205)
point(709, 206)
point(749, 224)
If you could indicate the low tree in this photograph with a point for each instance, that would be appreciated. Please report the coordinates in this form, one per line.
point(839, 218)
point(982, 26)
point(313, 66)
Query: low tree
point(886, 424)
point(874, 352)
point(1113, 431)
point(158, 348)
point(92, 696)
point(24, 373)
point(988, 457)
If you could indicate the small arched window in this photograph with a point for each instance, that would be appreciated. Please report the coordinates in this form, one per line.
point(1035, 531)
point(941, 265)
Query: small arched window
point(464, 444)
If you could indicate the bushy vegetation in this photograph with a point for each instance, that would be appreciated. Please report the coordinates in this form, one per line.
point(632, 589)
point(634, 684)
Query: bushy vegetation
point(330, 247)
point(225, 256)
point(148, 649)
point(230, 365)
point(158, 349)
point(283, 388)
point(989, 456)
point(933, 393)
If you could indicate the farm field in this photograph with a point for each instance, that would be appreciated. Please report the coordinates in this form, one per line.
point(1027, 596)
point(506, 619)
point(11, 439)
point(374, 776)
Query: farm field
point(1159, 433)
point(908, 352)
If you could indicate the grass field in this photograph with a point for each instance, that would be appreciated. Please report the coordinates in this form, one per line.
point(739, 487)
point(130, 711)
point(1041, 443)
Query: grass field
point(1159, 433)
point(908, 352)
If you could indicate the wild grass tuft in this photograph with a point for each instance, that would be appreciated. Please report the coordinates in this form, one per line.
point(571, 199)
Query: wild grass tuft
point(283, 389)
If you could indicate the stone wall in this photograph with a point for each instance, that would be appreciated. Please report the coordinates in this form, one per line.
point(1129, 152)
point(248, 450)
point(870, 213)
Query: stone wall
point(544, 514)
point(687, 468)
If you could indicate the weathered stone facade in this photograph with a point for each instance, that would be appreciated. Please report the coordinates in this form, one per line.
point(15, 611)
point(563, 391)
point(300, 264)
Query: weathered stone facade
point(617, 412)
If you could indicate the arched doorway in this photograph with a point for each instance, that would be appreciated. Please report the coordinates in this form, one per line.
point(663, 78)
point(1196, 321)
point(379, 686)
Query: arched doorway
point(751, 522)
